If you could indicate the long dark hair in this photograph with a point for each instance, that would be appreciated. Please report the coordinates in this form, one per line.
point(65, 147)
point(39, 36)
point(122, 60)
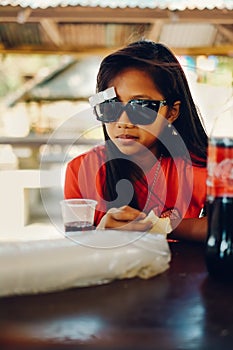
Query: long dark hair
point(168, 76)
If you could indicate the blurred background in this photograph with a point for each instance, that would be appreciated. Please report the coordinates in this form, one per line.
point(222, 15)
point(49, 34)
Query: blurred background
point(50, 52)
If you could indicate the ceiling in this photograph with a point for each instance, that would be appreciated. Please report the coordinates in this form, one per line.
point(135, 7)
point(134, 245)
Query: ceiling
point(70, 27)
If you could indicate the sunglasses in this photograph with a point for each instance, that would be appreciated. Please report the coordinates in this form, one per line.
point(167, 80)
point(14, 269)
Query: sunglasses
point(142, 112)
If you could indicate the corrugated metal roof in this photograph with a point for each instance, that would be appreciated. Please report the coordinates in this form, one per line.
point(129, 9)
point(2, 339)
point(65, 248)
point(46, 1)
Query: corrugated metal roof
point(69, 28)
point(191, 35)
point(162, 4)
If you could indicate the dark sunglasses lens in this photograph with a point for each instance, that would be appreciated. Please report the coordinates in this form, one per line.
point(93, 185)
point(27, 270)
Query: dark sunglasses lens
point(107, 111)
point(142, 112)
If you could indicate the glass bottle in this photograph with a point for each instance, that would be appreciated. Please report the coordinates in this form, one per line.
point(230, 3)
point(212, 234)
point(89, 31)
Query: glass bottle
point(219, 243)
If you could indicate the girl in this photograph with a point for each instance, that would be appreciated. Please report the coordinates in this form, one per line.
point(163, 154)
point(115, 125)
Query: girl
point(155, 150)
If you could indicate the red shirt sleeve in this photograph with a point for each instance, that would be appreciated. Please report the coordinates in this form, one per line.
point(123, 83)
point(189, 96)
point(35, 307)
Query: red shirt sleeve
point(71, 188)
point(85, 178)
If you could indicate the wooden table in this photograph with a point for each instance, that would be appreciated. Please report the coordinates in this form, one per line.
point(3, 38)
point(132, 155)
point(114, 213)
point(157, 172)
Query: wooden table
point(180, 309)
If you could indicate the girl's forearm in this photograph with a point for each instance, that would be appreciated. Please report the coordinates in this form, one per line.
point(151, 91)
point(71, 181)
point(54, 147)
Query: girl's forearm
point(193, 229)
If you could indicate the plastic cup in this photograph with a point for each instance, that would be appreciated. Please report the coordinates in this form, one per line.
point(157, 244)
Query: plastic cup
point(78, 214)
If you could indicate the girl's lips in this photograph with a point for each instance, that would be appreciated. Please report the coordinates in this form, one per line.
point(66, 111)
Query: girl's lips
point(126, 139)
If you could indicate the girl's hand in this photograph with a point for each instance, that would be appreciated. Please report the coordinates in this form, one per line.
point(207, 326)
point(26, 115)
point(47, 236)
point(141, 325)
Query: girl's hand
point(125, 218)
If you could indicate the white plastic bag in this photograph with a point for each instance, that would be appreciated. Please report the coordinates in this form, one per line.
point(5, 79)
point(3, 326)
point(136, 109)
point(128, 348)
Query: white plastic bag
point(84, 259)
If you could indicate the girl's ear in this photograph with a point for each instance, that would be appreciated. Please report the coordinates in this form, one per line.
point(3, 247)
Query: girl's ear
point(174, 112)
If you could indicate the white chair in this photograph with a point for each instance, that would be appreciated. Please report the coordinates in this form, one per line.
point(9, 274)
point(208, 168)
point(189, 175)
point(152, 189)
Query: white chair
point(14, 195)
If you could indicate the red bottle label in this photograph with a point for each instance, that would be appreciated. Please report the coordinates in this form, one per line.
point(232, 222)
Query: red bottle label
point(220, 169)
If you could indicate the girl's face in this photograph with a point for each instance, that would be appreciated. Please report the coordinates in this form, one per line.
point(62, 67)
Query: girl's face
point(130, 84)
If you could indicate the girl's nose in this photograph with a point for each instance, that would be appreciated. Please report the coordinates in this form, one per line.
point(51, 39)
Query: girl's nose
point(124, 121)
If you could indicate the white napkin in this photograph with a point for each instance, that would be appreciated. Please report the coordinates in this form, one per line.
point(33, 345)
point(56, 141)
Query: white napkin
point(86, 258)
point(160, 225)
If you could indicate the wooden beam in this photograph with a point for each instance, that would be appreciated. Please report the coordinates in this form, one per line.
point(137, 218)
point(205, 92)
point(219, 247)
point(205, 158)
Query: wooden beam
point(224, 50)
point(155, 31)
point(50, 50)
point(23, 15)
point(52, 31)
point(118, 15)
point(227, 33)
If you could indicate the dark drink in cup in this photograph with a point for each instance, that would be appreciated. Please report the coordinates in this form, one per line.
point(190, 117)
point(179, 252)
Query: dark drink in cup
point(78, 214)
point(78, 226)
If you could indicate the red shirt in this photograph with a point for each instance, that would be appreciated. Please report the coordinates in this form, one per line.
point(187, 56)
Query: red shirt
point(179, 188)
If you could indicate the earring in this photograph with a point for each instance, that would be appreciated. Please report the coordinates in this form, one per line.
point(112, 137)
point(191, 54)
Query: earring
point(171, 129)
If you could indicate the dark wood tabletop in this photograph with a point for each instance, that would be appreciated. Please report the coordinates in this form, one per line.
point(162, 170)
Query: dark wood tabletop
point(180, 309)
